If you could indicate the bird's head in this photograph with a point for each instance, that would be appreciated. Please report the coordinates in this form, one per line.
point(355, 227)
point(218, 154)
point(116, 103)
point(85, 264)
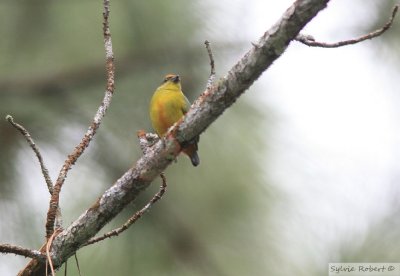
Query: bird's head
point(171, 82)
point(172, 78)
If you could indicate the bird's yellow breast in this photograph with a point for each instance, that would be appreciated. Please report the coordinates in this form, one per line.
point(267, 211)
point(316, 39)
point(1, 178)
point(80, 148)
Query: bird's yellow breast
point(167, 106)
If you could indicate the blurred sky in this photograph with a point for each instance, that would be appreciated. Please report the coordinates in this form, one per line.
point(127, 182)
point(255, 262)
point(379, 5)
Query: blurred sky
point(336, 132)
point(334, 151)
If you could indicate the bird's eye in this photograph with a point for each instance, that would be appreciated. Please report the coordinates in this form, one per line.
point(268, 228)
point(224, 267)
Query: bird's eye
point(168, 78)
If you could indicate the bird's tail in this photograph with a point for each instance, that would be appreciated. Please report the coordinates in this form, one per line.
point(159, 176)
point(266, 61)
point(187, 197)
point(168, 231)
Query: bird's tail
point(191, 150)
point(195, 159)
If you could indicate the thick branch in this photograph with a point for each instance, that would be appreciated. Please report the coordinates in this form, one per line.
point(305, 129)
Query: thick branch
point(210, 105)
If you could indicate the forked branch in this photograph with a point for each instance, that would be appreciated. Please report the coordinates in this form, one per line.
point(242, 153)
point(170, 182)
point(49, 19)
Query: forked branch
point(136, 216)
point(146, 140)
point(87, 138)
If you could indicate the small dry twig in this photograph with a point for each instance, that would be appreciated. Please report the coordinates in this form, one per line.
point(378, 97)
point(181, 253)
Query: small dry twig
point(48, 245)
point(79, 149)
point(146, 140)
point(77, 264)
point(211, 78)
point(29, 253)
point(310, 41)
point(32, 144)
point(135, 217)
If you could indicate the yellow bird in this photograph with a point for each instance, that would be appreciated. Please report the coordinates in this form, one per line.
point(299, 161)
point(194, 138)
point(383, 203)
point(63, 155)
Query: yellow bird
point(167, 106)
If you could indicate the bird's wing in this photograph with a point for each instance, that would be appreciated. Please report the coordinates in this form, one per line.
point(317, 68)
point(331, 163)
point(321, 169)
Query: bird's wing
point(186, 106)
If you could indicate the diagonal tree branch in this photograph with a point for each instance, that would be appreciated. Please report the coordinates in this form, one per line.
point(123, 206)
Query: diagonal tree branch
point(207, 108)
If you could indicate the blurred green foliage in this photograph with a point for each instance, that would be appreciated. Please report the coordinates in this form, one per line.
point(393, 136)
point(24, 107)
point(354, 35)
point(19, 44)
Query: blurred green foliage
point(52, 80)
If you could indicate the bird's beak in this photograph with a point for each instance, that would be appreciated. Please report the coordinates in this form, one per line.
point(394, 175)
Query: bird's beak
point(176, 79)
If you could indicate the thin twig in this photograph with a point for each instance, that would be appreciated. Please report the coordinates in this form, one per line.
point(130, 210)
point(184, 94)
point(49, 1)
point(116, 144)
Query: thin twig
point(32, 144)
point(77, 264)
point(73, 157)
point(48, 245)
point(136, 216)
point(17, 250)
point(211, 78)
point(310, 41)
